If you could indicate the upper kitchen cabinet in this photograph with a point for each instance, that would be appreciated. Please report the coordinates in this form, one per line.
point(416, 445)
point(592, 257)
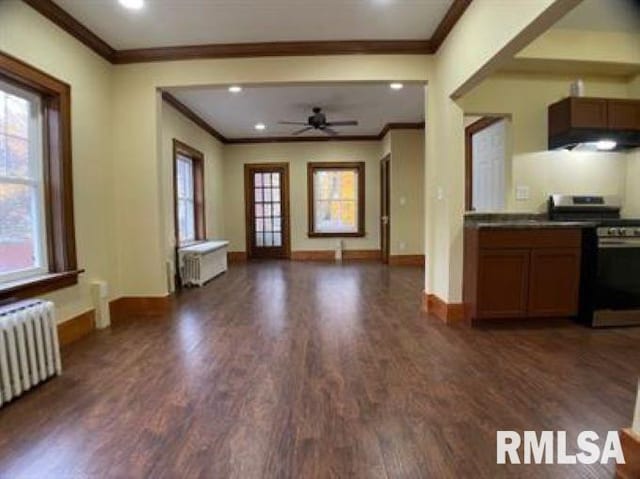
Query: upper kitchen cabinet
point(577, 120)
point(623, 114)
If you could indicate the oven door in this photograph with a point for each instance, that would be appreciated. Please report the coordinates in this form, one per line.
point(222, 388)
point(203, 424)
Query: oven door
point(618, 280)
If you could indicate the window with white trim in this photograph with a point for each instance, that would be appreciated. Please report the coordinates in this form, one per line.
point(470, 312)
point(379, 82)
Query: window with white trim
point(185, 199)
point(23, 239)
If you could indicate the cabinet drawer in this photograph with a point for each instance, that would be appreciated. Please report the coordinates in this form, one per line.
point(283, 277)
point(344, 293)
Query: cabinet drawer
point(530, 238)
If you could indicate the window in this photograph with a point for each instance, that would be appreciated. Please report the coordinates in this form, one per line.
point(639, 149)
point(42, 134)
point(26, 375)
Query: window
point(186, 200)
point(22, 225)
point(336, 199)
point(189, 194)
point(37, 239)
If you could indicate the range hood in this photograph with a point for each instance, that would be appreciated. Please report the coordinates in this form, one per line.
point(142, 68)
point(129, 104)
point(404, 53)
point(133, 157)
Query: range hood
point(604, 124)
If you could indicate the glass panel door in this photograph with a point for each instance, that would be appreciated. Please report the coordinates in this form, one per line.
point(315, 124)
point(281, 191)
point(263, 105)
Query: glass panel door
point(268, 210)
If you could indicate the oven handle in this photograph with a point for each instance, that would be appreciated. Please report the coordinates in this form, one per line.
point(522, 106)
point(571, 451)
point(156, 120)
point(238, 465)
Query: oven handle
point(619, 243)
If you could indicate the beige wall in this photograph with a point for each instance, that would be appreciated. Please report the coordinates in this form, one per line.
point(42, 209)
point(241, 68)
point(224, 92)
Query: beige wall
point(529, 163)
point(298, 155)
point(589, 46)
point(29, 36)
point(632, 198)
point(176, 126)
point(497, 31)
point(407, 190)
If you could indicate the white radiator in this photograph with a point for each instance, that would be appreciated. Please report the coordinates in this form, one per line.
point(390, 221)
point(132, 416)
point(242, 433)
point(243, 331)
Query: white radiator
point(29, 348)
point(201, 262)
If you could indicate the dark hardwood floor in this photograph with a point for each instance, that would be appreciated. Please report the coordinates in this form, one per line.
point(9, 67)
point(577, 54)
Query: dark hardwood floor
point(305, 370)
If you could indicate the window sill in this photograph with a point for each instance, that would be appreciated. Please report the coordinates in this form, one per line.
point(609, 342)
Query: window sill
point(312, 234)
point(27, 288)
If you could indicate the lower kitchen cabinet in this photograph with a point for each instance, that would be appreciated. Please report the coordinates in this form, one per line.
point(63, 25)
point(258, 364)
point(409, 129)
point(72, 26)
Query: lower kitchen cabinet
point(554, 282)
point(521, 273)
point(502, 283)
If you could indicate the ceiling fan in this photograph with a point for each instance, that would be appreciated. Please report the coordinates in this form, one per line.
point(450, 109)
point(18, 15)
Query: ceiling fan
point(318, 121)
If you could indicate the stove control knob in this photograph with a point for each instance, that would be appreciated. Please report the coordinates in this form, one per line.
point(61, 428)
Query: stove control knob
point(636, 232)
point(613, 232)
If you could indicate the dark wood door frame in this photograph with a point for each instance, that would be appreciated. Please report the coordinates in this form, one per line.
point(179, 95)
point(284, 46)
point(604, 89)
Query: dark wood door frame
point(249, 169)
point(472, 129)
point(385, 208)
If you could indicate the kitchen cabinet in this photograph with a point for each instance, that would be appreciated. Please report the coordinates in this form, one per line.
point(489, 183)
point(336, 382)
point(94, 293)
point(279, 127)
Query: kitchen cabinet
point(554, 282)
point(623, 114)
point(502, 283)
point(521, 273)
point(577, 120)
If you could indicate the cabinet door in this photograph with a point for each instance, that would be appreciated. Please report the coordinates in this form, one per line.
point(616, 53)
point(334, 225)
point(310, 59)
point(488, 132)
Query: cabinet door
point(624, 114)
point(554, 282)
point(502, 283)
point(588, 113)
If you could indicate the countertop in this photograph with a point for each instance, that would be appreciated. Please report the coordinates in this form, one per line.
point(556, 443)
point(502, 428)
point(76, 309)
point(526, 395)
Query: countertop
point(520, 221)
point(529, 224)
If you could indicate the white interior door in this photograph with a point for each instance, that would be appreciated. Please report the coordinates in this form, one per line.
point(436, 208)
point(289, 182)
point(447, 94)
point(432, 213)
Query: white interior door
point(489, 159)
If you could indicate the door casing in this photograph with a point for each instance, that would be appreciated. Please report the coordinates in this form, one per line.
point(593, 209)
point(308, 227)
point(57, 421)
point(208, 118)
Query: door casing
point(249, 169)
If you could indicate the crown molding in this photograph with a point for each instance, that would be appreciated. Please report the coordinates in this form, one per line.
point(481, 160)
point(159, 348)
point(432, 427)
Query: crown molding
point(300, 139)
point(67, 22)
point(73, 27)
point(400, 126)
point(193, 116)
point(457, 8)
point(273, 49)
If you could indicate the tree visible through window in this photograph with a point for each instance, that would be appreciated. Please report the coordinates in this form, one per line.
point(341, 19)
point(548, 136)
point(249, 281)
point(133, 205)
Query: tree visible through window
point(22, 212)
point(336, 199)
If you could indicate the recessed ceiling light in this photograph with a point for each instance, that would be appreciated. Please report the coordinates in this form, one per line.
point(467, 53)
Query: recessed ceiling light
point(606, 145)
point(260, 126)
point(396, 86)
point(132, 4)
point(235, 89)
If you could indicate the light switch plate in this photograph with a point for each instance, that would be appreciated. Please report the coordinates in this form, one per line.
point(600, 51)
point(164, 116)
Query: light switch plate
point(440, 193)
point(522, 193)
point(403, 201)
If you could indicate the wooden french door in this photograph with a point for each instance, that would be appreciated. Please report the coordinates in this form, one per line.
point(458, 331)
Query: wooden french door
point(385, 209)
point(267, 210)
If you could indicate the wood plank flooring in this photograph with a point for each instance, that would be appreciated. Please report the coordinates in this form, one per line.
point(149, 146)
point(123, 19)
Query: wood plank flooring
point(312, 370)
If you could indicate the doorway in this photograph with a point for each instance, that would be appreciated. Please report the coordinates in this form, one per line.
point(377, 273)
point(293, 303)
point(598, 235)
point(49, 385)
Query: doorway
point(385, 210)
point(485, 158)
point(267, 210)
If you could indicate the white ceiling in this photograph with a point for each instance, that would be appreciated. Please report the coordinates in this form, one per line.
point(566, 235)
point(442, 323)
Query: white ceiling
point(604, 15)
point(193, 22)
point(372, 105)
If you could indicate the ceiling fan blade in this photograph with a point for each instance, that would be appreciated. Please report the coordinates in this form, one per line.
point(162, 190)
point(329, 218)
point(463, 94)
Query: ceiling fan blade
point(330, 131)
point(343, 123)
point(293, 123)
point(295, 133)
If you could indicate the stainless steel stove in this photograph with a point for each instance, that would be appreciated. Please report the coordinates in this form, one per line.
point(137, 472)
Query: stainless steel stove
point(610, 284)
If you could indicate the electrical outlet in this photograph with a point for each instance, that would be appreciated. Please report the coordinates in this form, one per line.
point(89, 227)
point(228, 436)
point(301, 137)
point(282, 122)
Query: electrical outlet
point(402, 245)
point(440, 193)
point(403, 201)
